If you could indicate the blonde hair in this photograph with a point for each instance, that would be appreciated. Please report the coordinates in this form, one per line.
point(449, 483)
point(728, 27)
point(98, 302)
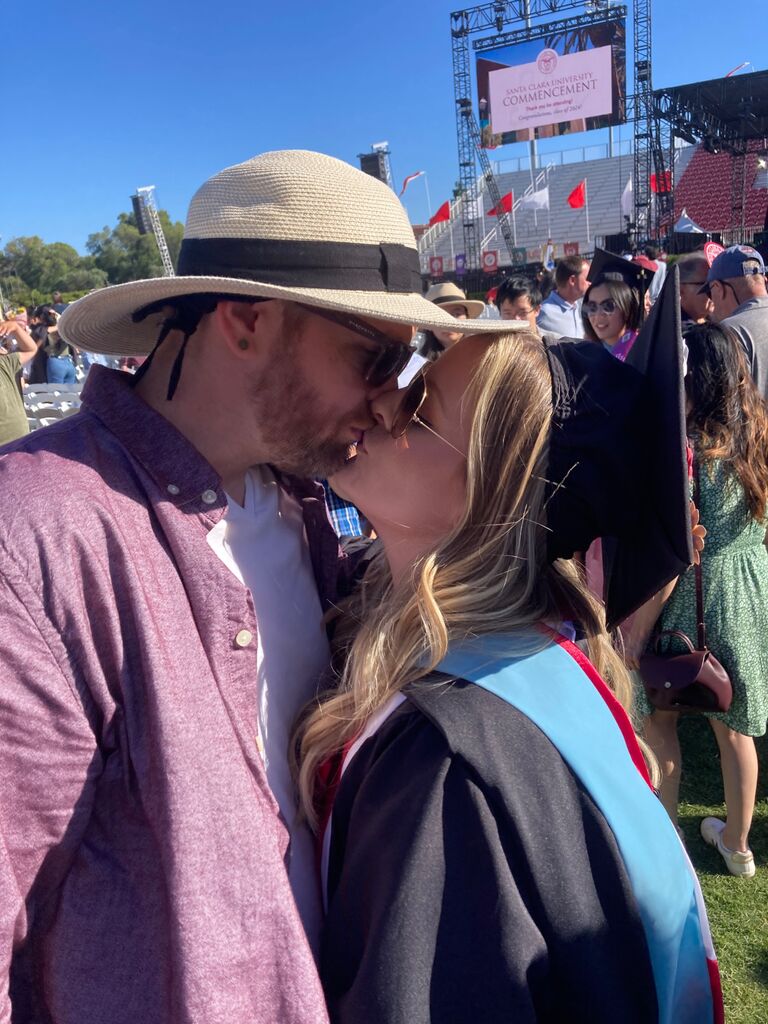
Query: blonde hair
point(490, 575)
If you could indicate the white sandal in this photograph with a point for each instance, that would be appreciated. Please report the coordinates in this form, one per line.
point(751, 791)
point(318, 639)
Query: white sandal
point(740, 864)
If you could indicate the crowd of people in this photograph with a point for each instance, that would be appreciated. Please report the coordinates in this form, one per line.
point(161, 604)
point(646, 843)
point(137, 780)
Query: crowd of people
point(54, 360)
point(252, 775)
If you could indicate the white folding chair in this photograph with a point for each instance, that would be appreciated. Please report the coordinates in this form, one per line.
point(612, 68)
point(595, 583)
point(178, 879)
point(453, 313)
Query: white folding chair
point(51, 412)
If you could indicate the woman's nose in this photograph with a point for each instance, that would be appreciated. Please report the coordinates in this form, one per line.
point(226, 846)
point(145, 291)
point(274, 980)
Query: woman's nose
point(384, 405)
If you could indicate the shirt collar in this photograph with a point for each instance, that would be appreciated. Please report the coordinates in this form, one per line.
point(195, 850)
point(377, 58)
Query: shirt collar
point(753, 303)
point(558, 298)
point(174, 464)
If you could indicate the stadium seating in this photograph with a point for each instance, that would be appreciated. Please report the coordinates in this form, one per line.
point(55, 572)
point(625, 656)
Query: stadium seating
point(606, 178)
point(704, 191)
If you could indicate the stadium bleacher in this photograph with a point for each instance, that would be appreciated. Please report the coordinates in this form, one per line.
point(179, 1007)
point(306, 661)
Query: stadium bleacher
point(606, 178)
point(704, 191)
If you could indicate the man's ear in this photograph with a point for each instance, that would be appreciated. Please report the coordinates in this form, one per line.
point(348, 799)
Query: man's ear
point(239, 324)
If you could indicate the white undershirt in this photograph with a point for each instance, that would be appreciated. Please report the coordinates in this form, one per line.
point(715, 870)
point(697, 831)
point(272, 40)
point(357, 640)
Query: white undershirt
point(264, 545)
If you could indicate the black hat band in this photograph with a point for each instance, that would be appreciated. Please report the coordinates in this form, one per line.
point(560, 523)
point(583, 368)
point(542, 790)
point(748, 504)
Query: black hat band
point(340, 266)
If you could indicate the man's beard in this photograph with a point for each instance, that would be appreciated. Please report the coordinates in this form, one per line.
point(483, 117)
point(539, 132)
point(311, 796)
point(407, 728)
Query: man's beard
point(292, 422)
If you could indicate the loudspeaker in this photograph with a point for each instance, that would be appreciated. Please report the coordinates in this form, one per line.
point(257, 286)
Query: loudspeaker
point(618, 244)
point(373, 164)
point(143, 222)
point(682, 242)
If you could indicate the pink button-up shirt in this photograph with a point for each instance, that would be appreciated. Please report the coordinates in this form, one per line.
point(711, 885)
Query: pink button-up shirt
point(142, 854)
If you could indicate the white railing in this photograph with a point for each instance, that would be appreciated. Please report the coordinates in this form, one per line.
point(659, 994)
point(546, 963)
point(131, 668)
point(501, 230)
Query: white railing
point(427, 244)
point(429, 239)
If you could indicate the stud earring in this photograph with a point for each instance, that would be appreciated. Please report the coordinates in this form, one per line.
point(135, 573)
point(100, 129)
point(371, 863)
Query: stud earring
point(243, 344)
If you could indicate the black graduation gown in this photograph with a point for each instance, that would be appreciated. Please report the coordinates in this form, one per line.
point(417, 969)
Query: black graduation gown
point(472, 880)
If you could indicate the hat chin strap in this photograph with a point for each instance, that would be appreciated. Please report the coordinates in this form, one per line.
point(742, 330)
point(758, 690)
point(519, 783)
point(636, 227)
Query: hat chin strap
point(337, 266)
point(185, 320)
point(171, 324)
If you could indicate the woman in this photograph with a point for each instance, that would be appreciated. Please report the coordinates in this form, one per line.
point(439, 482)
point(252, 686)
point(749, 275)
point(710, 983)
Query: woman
point(728, 424)
point(490, 849)
point(612, 313)
point(60, 368)
point(517, 298)
point(431, 344)
point(42, 318)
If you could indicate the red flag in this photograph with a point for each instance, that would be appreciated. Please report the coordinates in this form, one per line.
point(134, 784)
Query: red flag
point(578, 198)
point(444, 213)
point(409, 179)
point(661, 182)
point(505, 205)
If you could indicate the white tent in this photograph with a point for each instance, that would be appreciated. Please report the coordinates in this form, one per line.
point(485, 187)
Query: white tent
point(686, 226)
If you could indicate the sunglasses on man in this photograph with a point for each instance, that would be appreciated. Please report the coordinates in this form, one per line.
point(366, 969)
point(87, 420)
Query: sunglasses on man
point(393, 356)
point(706, 288)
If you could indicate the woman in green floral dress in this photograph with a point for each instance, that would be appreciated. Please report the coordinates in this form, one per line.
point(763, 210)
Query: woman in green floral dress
point(728, 424)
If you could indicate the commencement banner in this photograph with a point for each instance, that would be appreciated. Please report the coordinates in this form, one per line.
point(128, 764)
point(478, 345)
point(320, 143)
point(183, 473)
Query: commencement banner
point(559, 83)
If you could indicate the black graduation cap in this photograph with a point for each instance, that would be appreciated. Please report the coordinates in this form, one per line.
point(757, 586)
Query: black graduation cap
point(607, 266)
point(618, 467)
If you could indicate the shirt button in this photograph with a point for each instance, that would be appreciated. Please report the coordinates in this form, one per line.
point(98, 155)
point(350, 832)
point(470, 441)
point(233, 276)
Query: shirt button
point(244, 638)
point(172, 489)
point(209, 497)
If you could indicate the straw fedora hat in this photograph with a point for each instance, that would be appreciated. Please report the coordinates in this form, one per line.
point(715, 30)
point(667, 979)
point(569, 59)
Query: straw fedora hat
point(449, 297)
point(286, 225)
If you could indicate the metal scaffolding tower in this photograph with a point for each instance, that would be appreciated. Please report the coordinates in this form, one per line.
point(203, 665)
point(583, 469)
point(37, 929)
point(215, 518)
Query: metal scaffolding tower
point(462, 85)
point(147, 198)
point(494, 18)
point(644, 119)
point(652, 143)
point(490, 182)
point(383, 149)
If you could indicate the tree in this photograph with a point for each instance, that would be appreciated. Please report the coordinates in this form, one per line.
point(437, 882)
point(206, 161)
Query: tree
point(84, 278)
point(125, 255)
point(31, 270)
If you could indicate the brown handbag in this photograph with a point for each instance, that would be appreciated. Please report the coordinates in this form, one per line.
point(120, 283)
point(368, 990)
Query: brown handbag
point(694, 681)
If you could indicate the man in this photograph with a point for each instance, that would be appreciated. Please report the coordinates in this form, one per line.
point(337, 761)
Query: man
point(658, 258)
point(517, 298)
point(13, 416)
point(560, 313)
point(58, 304)
point(164, 571)
point(736, 285)
point(695, 307)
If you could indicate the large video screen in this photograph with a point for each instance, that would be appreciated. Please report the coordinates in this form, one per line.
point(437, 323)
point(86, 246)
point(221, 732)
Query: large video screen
point(560, 82)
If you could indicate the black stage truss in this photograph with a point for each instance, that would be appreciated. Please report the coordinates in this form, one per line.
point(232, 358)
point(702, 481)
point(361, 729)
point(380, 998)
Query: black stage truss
point(728, 115)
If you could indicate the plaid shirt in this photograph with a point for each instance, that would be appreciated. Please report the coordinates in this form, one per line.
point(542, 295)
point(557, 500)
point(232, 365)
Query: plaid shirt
point(345, 518)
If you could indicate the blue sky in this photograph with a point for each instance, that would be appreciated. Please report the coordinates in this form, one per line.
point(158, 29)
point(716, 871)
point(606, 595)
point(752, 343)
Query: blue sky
point(101, 97)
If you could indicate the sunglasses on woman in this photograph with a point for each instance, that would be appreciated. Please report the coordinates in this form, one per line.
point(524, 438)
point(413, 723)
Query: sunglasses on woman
point(408, 412)
point(388, 362)
point(606, 306)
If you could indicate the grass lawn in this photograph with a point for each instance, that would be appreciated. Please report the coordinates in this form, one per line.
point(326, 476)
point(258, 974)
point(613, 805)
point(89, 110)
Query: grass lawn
point(738, 908)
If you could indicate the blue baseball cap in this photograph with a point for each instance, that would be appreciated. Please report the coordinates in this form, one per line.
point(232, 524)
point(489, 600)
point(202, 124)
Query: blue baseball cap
point(738, 261)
